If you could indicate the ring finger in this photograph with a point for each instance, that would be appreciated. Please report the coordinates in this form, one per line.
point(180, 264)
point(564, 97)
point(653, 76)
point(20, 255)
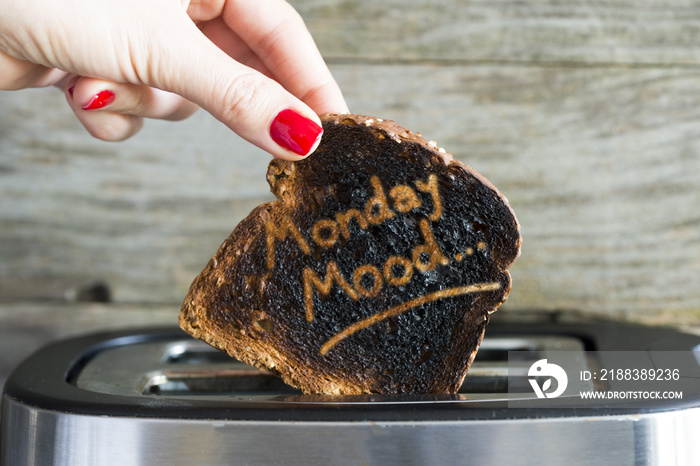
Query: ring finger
point(115, 111)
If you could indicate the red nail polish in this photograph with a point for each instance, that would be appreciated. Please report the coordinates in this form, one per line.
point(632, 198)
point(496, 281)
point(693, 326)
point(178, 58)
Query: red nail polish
point(294, 131)
point(100, 100)
point(70, 90)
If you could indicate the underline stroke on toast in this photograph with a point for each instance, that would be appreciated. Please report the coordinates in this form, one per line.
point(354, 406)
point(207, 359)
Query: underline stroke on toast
point(407, 306)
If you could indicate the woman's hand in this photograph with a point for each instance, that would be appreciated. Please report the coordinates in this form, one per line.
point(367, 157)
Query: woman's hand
point(250, 63)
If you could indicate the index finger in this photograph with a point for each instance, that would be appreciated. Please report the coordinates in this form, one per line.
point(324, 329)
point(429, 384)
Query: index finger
point(276, 33)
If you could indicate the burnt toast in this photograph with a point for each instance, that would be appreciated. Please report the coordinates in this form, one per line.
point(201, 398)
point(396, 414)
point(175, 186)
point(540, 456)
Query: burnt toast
point(374, 271)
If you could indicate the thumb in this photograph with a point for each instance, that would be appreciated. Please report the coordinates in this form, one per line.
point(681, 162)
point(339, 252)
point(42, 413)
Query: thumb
point(254, 106)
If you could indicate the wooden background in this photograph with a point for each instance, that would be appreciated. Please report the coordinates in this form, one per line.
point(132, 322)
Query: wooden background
point(585, 114)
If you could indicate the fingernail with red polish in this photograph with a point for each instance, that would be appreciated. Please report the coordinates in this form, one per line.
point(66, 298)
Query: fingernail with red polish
point(295, 132)
point(70, 90)
point(99, 100)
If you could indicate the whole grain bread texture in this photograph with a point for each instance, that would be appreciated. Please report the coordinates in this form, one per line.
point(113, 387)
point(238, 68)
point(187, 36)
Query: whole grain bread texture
point(374, 271)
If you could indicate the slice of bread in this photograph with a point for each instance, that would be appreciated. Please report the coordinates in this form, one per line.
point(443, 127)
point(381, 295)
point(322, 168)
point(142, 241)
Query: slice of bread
point(374, 271)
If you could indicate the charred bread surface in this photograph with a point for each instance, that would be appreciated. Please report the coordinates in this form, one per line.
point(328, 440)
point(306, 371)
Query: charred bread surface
point(374, 271)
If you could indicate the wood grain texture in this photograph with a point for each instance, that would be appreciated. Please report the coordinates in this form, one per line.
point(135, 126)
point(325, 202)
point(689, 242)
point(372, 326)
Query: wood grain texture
point(548, 31)
point(584, 114)
point(148, 211)
point(600, 166)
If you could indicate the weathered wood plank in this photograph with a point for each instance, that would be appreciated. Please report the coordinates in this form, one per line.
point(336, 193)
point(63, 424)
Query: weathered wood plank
point(600, 165)
point(548, 31)
point(75, 209)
